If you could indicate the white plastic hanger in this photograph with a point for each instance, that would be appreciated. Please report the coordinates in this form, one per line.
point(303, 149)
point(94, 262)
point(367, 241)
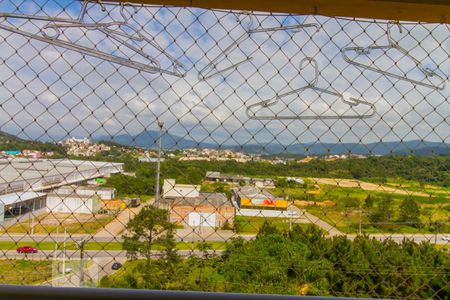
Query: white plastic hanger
point(393, 45)
point(210, 70)
point(51, 32)
point(350, 101)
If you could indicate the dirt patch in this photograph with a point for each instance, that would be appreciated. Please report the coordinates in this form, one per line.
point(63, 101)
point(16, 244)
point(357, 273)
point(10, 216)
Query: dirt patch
point(57, 219)
point(353, 183)
point(325, 203)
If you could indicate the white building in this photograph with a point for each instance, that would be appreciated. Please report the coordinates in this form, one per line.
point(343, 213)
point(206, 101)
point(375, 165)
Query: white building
point(104, 193)
point(72, 203)
point(173, 190)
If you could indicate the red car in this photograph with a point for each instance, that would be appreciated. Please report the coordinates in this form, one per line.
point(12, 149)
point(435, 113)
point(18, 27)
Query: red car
point(26, 249)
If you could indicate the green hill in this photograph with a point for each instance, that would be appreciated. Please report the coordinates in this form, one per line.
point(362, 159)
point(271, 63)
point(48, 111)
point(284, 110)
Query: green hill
point(12, 142)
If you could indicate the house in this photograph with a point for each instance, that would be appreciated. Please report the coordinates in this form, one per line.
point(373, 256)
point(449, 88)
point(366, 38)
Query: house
point(254, 197)
point(218, 177)
point(190, 207)
point(173, 190)
point(258, 182)
point(205, 210)
point(263, 182)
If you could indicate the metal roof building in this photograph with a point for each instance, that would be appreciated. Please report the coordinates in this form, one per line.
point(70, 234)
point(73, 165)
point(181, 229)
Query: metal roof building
point(21, 174)
point(14, 205)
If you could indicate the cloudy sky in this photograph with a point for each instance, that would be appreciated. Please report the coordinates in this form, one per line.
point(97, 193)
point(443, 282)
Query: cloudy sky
point(48, 91)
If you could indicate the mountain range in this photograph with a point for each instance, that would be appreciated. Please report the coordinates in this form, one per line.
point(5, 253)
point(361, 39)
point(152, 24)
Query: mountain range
point(149, 139)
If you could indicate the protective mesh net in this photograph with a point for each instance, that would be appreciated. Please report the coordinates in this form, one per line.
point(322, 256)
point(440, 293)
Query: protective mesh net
point(291, 154)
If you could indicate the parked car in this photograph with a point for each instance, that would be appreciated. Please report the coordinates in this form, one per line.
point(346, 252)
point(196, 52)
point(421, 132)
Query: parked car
point(446, 238)
point(116, 266)
point(26, 249)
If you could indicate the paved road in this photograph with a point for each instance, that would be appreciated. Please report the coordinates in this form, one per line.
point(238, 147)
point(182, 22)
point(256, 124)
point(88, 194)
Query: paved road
point(185, 235)
point(117, 226)
point(92, 254)
point(98, 264)
point(332, 231)
point(189, 236)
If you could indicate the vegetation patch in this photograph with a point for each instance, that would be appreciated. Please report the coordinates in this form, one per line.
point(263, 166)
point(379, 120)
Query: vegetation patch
point(299, 262)
point(19, 271)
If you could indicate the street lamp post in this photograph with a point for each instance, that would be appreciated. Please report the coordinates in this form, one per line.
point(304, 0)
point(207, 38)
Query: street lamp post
point(158, 164)
point(360, 221)
point(81, 274)
point(64, 254)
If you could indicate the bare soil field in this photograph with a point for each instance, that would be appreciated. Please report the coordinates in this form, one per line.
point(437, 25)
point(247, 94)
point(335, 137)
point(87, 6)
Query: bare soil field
point(349, 183)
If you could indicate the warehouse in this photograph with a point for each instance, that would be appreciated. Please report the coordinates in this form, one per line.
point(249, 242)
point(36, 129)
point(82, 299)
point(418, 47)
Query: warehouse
point(23, 174)
point(19, 206)
point(104, 193)
point(60, 201)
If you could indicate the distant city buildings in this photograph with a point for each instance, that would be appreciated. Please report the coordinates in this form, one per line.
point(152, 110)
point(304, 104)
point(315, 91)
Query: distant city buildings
point(83, 147)
point(26, 153)
point(239, 179)
point(217, 155)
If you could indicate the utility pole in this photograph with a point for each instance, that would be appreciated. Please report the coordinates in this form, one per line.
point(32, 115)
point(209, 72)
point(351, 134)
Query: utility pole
point(158, 164)
point(32, 217)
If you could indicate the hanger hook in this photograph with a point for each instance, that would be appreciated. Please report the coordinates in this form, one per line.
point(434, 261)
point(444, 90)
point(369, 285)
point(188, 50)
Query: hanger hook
point(123, 10)
point(313, 62)
point(251, 20)
point(84, 7)
point(388, 31)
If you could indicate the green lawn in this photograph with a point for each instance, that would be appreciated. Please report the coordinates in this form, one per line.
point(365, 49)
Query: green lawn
point(144, 198)
point(16, 271)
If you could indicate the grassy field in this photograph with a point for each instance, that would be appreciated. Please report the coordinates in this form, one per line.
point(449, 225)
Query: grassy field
point(18, 271)
point(349, 201)
point(144, 198)
point(347, 216)
point(77, 225)
point(253, 224)
point(411, 185)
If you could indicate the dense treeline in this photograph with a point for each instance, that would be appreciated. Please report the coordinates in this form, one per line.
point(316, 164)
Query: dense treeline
point(433, 170)
point(301, 261)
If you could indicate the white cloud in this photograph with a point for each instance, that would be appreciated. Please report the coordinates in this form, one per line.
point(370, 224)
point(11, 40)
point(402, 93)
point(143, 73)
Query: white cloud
point(69, 92)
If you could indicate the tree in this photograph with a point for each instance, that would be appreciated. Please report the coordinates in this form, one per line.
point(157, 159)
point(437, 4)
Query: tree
point(368, 202)
point(410, 212)
point(149, 227)
point(382, 214)
point(350, 202)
